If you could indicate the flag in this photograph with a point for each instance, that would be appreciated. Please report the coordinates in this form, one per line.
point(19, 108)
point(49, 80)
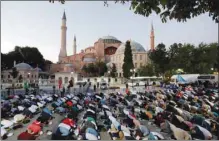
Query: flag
point(60, 83)
point(26, 86)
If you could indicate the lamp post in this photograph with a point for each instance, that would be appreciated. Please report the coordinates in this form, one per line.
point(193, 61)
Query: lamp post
point(29, 76)
point(72, 82)
point(108, 80)
point(133, 72)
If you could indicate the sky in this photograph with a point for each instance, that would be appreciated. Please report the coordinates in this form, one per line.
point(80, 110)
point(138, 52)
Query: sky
point(38, 24)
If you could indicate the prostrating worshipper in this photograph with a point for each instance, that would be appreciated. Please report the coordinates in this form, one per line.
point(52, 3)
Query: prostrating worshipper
point(176, 133)
point(7, 124)
point(63, 132)
point(198, 132)
point(26, 135)
point(19, 119)
point(90, 134)
point(35, 129)
point(115, 132)
point(46, 116)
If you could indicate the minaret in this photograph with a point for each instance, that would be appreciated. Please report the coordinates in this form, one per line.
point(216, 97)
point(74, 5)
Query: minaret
point(152, 37)
point(74, 46)
point(63, 52)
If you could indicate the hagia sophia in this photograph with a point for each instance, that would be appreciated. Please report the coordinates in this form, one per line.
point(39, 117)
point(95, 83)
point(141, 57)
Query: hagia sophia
point(108, 49)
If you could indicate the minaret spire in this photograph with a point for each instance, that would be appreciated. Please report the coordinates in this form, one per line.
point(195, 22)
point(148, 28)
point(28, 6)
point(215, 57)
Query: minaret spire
point(63, 52)
point(64, 16)
point(74, 46)
point(152, 36)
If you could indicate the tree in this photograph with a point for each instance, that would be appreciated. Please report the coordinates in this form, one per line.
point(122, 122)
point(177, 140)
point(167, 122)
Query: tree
point(113, 71)
point(91, 69)
point(101, 68)
point(14, 73)
point(20, 78)
point(85, 69)
point(160, 59)
point(30, 55)
point(181, 10)
point(128, 61)
point(147, 70)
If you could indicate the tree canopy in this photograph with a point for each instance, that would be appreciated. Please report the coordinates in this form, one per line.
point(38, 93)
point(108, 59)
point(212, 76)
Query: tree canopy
point(113, 71)
point(181, 10)
point(190, 58)
point(95, 69)
point(29, 55)
point(128, 61)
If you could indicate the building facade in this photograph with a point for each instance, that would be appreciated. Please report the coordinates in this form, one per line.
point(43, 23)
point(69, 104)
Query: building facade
point(108, 49)
point(139, 56)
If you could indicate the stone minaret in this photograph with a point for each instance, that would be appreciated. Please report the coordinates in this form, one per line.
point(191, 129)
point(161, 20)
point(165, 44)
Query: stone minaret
point(152, 37)
point(74, 46)
point(63, 52)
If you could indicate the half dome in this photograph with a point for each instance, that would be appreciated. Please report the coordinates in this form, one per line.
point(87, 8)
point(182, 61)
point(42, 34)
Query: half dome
point(136, 47)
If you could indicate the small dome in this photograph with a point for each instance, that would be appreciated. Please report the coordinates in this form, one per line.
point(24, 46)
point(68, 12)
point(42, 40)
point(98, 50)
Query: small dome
point(23, 66)
point(136, 47)
point(38, 69)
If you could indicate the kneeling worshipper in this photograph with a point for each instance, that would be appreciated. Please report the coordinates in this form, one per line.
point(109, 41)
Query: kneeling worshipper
point(7, 124)
point(90, 134)
point(46, 116)
point(5, 134)
point(19, 119)
point(115, 130)
point(198, 132)
point(26, 135)
point(176, 133)
point(35, 129)
point(65, 129)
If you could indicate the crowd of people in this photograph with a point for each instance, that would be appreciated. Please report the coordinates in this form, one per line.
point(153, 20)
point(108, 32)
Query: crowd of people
point(183, 113)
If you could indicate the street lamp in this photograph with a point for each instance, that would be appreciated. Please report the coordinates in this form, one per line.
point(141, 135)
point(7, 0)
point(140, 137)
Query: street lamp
point(212, 69)
point(29, 76)
point(133, 72)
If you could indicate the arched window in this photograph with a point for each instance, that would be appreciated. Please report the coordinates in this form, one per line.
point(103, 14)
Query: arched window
point(66, 79)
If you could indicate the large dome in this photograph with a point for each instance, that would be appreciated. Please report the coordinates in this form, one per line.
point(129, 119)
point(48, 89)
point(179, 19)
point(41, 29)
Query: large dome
point(110, 39)
point(136, 47)
point(89, 60)
point(23, 66)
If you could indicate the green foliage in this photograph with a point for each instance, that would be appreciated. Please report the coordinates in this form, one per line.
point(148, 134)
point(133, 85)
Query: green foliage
point(29, 55)
point(147, 70)
point(20, 78)
point(181, 10)
point(101, 67)
point(14, 73)
point(97, 69)
point(189, 58)
point(159, 56)
point(128, 61)
point(113, 71)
